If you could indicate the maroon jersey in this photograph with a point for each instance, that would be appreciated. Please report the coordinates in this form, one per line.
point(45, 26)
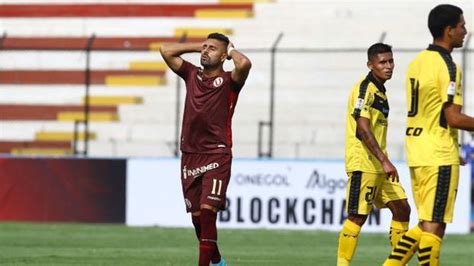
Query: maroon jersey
point(208, 110)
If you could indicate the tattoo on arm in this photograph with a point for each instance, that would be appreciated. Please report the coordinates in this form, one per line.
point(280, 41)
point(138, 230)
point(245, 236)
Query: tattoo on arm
point(371, 143)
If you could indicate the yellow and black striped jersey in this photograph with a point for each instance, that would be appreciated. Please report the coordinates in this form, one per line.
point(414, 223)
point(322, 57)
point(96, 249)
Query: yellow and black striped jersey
point(432, 79)
point(367, 99)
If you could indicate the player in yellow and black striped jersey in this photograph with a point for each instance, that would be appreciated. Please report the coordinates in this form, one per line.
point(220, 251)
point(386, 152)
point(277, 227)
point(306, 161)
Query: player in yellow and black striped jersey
point(434, 94)
point(372, 177)
point(367, 100)
point(432, 80)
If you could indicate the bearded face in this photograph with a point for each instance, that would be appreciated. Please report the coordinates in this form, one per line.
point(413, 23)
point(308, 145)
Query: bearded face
point(213, 53)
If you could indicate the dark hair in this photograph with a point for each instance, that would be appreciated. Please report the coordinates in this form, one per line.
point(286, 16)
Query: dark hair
point(219, 36)
point(441, 17)
point(378, 48)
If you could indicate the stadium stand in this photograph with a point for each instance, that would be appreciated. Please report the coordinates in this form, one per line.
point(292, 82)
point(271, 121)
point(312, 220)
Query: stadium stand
point(82, 10)
point(321, 54)
point(54, 112)
point(22, 147)
point(107, 77)
point(100, 43)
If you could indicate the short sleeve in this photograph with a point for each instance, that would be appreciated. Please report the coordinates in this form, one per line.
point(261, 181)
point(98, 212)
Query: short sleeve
point(458, 96)
point(185, 70)
point(363, 102)
point(450, 83)
point(234, 85)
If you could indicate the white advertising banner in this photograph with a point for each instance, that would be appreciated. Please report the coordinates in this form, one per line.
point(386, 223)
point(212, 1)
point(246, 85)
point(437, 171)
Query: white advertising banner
point(274, 194)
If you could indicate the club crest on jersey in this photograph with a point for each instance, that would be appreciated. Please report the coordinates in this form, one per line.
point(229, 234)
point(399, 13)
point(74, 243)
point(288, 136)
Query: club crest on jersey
point(218, 81)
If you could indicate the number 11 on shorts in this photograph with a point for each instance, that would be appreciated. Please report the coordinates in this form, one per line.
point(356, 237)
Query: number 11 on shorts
point(214, 187)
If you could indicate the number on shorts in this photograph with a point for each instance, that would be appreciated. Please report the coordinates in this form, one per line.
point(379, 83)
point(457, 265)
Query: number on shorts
point(370, 196)
point(214, 187)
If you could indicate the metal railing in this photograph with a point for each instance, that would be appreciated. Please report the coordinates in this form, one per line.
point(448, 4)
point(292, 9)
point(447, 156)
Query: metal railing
point(266, 128)
point(274, 50)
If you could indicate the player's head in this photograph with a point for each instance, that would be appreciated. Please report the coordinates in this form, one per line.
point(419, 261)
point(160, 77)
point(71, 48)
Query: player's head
point(447, 22)
point(214, 50)
point(380, 61)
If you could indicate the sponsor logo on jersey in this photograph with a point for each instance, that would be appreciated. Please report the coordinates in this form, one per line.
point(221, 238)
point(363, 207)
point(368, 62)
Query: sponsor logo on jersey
point(452, 88)
point(359, 103)
point(184, 172)
point(214, 198)
point(198, 170)
point(218, 81)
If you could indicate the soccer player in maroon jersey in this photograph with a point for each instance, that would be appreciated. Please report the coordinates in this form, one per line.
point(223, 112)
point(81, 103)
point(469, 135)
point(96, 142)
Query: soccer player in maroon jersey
point(206, 135)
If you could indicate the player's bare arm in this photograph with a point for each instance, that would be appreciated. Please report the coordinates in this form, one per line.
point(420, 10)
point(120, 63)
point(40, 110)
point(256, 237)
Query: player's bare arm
point(456, 118)
point(364, 133)
point(459, 120)
point(171, 53)
point(241, 62)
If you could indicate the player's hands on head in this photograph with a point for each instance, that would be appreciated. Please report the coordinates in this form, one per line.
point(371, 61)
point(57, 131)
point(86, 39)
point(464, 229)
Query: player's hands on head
point(230, 47)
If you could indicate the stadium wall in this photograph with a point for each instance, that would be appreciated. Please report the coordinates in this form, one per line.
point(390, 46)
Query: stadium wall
point(62, 190)
point(273, 194)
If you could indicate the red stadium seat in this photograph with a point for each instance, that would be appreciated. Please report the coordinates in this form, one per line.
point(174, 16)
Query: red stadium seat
point(115, 10)
point(46, 112)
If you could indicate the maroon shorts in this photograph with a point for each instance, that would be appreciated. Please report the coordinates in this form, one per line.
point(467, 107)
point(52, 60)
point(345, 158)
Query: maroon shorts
point(204, 178)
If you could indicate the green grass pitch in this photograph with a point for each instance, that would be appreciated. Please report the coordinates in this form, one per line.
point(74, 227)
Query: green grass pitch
point(90, 244)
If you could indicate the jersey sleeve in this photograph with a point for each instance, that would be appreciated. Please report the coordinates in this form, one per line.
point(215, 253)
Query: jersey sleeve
point(185, 70)
point(363, 102)
point(450, 83)
point(458, 96)
point(234, 85)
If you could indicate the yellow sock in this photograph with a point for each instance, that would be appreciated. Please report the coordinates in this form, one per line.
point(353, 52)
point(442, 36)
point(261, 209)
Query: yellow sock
point(405, 248)
point(397, 229)
point(430, 246)
point(347, 243)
